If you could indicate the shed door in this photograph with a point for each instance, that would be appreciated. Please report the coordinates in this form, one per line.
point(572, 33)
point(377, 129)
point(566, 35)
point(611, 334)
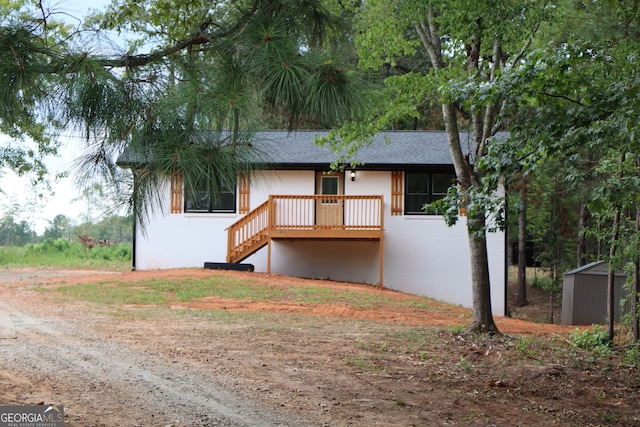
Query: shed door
point(329, 210)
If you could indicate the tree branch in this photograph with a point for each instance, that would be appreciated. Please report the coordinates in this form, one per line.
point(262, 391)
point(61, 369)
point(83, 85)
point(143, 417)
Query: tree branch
point(526, 46)
point(566, 98)
point(44, 14)
point(428, 32)
point(491, 110)
point(200, 37)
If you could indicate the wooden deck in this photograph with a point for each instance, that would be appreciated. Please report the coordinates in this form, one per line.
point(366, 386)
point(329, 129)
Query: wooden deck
point(324, 217)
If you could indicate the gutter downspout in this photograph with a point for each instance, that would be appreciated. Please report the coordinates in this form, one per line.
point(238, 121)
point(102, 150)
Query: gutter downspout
point(507, 311)
point(135, 229)
point(133, 242)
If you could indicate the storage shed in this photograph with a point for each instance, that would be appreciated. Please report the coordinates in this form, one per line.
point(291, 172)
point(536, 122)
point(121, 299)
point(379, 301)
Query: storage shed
point(584, 294)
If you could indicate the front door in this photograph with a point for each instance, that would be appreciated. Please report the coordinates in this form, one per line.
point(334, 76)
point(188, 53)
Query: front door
point(329, 210)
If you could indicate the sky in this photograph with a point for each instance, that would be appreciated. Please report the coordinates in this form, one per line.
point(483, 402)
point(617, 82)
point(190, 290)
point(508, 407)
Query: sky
point(63, 199)
point(60, 200)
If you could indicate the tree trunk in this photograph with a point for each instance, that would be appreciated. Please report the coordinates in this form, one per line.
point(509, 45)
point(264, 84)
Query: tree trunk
point(554, 281)
point(581, 243)
point(635, 291)
point(521, 294)
point(481, 287)
point(635, 326)
point(611, 304)
point(480, 283)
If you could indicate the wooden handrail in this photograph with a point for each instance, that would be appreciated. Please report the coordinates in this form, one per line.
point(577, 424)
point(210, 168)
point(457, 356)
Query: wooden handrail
point(248, 231)
point(288, 214)
point(318, 211)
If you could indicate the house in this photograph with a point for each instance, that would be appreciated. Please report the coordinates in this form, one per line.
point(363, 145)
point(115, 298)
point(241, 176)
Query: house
point(361, 225)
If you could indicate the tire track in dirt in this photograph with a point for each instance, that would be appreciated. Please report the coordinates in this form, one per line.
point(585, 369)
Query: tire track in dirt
point(146, 390)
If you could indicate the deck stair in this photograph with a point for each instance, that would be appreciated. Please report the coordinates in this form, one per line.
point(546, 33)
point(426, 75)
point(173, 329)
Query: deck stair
point(249, 234)
point(305, 217)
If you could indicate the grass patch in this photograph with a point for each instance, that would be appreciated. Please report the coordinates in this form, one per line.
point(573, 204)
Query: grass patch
point(319, 295)
point(64, 253)
point(160, 291)
point(248, 319)
point(361, 363)
point(113, 294)
point(419, 342)
point(418, 337)
point(223, 287)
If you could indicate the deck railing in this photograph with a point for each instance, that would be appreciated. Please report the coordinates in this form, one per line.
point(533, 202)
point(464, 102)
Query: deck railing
point(248, 233)
point(316, 216)
point(326, 212)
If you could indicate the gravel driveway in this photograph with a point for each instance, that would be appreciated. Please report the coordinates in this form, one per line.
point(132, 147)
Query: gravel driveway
point(99, 376)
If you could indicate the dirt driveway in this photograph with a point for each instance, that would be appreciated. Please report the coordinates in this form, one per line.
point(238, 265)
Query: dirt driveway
point(235, 362)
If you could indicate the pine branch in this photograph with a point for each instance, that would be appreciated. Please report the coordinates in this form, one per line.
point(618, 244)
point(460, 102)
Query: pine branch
point(199, 38)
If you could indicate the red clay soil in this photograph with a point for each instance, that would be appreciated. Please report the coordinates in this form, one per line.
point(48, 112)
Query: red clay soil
point(448, 315)
point(292, 363)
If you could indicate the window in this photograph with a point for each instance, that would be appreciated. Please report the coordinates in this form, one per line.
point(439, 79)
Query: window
point(329, 186)
point(424, 187)
point(210, 196)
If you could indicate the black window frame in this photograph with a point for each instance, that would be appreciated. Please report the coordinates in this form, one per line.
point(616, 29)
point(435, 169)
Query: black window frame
point(223, 201)
point(417, 199)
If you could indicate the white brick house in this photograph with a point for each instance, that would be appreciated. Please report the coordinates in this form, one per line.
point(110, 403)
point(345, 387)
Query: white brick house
point(361, 225)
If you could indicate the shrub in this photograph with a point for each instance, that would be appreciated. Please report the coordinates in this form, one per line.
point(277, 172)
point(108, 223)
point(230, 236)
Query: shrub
point(632, 355)
point(121, 251)
point(595, 340)
point(63, 252)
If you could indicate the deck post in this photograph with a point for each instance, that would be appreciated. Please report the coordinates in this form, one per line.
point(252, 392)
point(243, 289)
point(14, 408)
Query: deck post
point(271, 220)
point(381, 260)
point(230, 243)
point(269, 257)
point(381, 241)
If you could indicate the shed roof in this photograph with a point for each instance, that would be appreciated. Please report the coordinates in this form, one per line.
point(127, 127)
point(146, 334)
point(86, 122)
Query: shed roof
point(591, 266)
point(596, 267)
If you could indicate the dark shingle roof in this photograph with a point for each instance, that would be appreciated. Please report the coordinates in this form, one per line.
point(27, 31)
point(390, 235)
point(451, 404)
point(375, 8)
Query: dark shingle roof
point(387, 148)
